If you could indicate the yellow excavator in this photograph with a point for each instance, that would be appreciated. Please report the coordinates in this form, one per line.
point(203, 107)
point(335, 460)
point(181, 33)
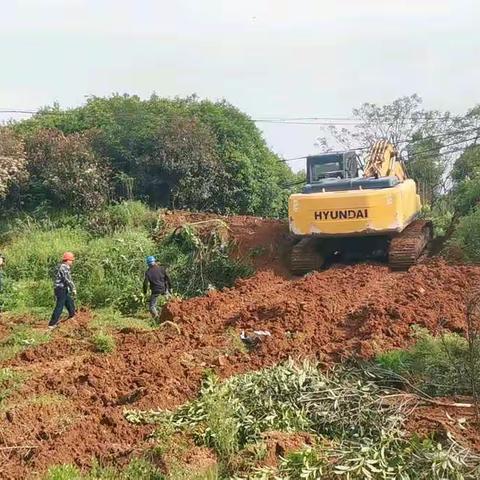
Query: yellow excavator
point(347, 216)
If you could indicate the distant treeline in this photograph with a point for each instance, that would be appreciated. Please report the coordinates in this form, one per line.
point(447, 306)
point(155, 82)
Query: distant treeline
point(180, 153)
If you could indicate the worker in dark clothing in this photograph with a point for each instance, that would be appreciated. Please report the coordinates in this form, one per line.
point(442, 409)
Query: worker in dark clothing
point(156, 277)
point(64, 290)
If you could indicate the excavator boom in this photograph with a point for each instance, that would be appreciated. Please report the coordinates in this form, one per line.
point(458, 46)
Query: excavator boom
point(383, 161)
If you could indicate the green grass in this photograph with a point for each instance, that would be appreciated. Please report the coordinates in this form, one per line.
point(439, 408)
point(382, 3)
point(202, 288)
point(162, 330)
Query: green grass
point(10, 381)
point(438, 365)
point(45, 400)
point(137, 469)
point(235, 343)
point(34, 253)
point(110, 247)
point(42, 401)
point(399, 361)
point(63, 472)
point(211, 473)
point(109, 318)
point(103, 342)
point(21, 338)
point(128, 214)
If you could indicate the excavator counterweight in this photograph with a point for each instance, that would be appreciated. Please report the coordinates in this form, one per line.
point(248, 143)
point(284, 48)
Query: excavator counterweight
point(341, 214)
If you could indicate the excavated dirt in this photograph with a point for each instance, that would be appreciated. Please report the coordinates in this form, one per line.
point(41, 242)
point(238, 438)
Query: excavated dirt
point(261, 241)
point(70, 409)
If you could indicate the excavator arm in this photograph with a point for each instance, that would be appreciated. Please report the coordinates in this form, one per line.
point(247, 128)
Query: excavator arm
point(383, 161)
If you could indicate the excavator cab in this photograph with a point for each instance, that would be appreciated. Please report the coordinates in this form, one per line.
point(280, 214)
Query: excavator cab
point(331, 165)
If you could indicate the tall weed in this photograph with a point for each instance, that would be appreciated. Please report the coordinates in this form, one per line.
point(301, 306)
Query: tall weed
point(129, 214)
point(34, 253)
point(110, 272)
point(438, 365)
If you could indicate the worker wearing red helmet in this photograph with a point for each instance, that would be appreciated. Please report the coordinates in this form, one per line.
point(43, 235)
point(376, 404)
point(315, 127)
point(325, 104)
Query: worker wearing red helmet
point(64, 290)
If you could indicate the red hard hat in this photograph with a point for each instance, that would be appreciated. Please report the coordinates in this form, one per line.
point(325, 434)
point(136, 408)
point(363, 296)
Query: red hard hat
point(68, 256)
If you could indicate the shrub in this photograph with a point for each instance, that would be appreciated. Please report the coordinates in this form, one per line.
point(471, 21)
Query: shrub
point(201, 154)
point(393, 458)
point(200, 262)
point(286, 398)
point(358, 434)
point(128, 214)
point(103, 343)
point(12, 161)
point(467, 236)
point(67, 170)
point(438, 365)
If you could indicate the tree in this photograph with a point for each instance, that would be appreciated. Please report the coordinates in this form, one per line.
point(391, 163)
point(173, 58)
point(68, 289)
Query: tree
point(424, 138)
point(185, 145)
point(12, 161)
point(67, 169)
point(427, 167)
point(397, 122)
point(467, 164)
point(183, 165)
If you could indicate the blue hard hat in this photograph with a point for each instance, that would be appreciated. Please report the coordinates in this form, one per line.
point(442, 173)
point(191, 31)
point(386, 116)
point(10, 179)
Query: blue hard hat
point(151, 260)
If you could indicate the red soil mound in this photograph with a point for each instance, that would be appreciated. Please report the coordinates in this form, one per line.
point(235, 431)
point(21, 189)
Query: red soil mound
point(342, 312)
point(262, 241)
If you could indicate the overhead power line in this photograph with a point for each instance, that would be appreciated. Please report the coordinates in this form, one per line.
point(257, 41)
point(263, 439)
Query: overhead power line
point(349, 118)
point(407, 141)
point(321, 120)
point(438, 149)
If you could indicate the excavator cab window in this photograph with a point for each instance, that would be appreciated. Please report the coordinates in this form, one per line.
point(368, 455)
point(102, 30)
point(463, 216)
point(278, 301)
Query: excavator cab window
point(331, 165)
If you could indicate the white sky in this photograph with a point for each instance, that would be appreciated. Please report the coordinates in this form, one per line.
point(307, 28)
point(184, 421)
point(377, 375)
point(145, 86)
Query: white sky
point(268, 57)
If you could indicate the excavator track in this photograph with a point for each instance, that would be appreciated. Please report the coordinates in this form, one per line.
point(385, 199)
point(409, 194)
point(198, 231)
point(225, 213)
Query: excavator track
point(406, 248)
point(304, 257)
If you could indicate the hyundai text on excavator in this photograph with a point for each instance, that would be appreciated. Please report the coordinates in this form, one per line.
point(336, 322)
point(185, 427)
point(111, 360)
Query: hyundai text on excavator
point(341, 214)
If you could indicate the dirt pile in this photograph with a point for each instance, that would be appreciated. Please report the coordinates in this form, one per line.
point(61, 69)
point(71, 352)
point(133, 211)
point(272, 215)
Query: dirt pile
point(342, 312)
point(261, 241)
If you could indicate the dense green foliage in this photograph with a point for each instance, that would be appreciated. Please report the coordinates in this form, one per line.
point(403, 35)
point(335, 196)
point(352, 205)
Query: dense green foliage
point(65, 171)
point(182, 153)
point(466, 240)
point(427, 167)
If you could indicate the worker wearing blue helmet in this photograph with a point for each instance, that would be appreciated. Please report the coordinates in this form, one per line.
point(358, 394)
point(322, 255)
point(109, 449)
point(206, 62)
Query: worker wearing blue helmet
point(157, 279)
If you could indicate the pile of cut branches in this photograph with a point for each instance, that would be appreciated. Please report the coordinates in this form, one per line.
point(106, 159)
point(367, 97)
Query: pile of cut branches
point(357, 423)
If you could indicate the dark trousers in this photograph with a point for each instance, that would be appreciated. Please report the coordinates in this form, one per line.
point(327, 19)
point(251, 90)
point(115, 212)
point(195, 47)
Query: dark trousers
point(152, 304)
point(64, 299)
